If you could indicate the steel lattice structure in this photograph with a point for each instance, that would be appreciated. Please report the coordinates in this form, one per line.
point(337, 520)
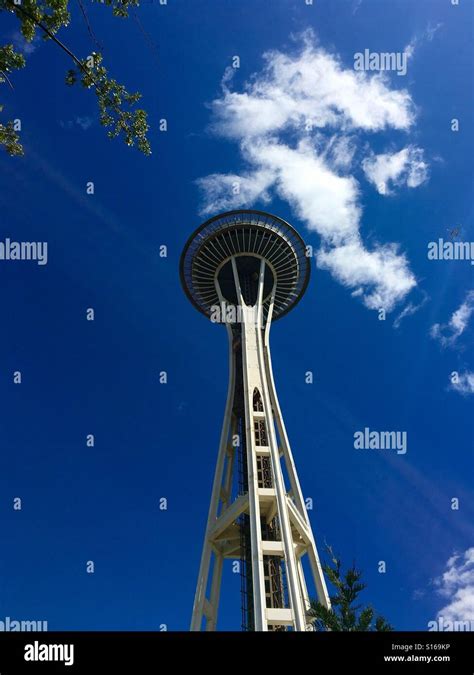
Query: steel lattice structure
point(246, 269)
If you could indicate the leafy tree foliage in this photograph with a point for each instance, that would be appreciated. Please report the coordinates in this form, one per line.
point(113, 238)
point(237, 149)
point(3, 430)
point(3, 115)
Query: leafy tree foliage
point(111, 97)
point(344, 615)
point(9, 61)
point(117, 107)
point(119, 7)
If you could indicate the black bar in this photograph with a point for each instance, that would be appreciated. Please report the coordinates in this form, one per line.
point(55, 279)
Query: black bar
point(170, 652)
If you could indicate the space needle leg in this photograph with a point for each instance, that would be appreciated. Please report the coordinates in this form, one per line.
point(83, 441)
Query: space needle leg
point(249, 315)
point(202, 606)
point(316, 569)
point(294, 592)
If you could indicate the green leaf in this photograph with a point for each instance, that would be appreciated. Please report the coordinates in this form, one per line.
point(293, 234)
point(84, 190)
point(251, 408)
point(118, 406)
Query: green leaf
point(10, 140)
point(115, 103)
point(120, 7)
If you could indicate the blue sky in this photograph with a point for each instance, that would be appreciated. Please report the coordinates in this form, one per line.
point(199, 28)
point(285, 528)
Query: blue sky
point(157, 440)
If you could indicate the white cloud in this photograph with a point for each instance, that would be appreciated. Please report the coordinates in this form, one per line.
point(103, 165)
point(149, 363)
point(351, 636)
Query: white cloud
point(425, 36)
point(381, 276)
point(84, 123)
point(449, 332)
point(298, 123)
point(340, 151)
point(25, 46)
point(457, 584)
point(410, 309)
point(229, 191)
point(326, 201)
point(464, 383)
point(389, 170)
point(311, 87)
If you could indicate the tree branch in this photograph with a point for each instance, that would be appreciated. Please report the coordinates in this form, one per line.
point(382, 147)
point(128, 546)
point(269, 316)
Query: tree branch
point(19, 8)
point(6, 77)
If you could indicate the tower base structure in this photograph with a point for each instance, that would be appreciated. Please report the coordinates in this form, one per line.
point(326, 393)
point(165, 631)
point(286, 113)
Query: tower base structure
point(257, 513)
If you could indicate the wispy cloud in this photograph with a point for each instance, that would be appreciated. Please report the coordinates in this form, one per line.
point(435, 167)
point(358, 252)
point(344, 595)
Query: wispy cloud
point(410, 309)
point(389, 170)
point(448, 333)
point(463, 383)
point(84, 123)
point(457, 584)
point(298, 123)
point(426, 35)
point(25, 46)
point(311, 88)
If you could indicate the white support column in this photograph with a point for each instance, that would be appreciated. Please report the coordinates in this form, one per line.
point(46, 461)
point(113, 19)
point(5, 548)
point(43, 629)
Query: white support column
point(284, 519)
point(251, 379)
point(200, 596)
point(215, 591)
point(316, 569)
point(304, 589)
